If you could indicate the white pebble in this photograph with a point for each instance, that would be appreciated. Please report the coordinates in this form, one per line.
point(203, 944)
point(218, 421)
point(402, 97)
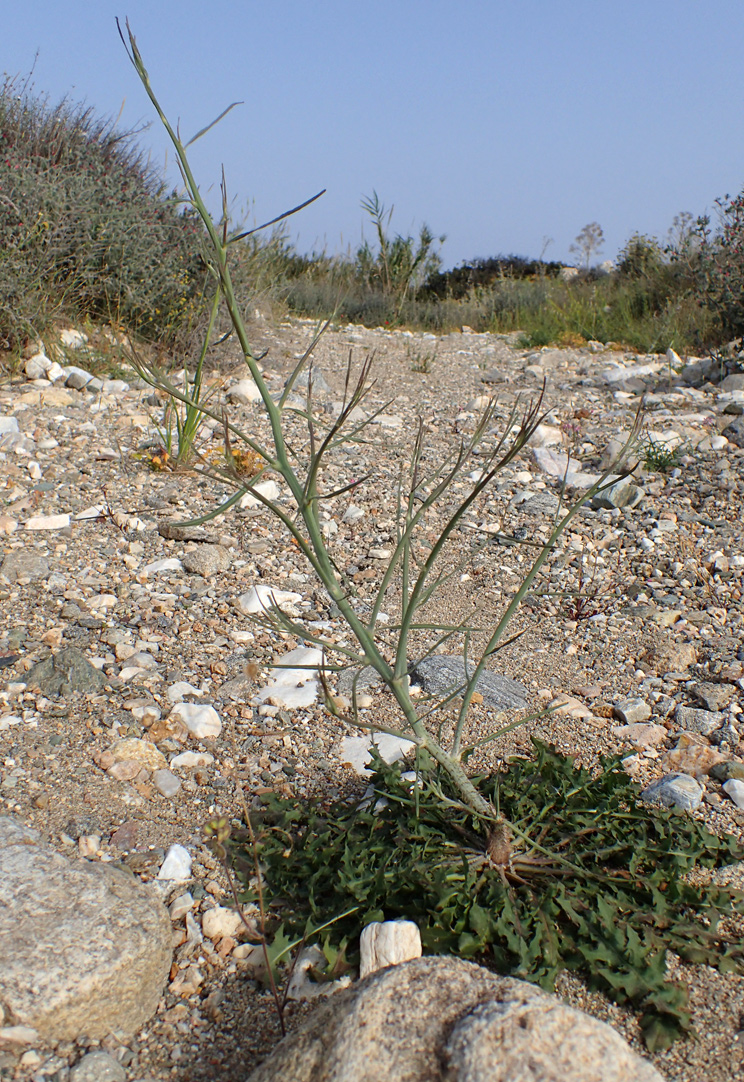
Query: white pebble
point(201, 721)
point(177, 865)
point(219, 922)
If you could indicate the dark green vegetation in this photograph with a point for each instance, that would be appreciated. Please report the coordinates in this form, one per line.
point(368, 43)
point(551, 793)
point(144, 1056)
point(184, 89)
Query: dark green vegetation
point(90, 231)
point(596, 883)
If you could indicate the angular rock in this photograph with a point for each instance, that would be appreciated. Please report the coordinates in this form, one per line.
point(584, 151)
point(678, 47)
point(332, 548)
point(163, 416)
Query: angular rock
point(561, 467)
point(713, 696)
point(221, 921)
point(65, 672)
point(622, 494)
point(727, 771)
point(734, 432)
point(440, 674)
point(85, 948)
point(244, 391)
point(132, 749)
point(320, 387)
point(698, 721)
point(693, 759)
point(200, 720)
point(632, 710)
point(207, 560)
point(446, 1020)
point(674, 791)
point(640, 735)
point(77, 378)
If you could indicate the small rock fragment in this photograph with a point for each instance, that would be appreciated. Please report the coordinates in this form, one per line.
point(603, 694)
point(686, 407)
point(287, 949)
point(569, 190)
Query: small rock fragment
point(630, 711)
point(200, 720)
point(735, 789)
point(674, 790)
point(221, 921)
point(166, 783)
point(698, 721)
point(387, 943)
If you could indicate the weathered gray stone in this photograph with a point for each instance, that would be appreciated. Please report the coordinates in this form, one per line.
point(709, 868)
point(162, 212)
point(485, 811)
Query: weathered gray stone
point(65, 672)
point(441, 674)
point(693, 720)
point(622, 494)
point(85, 949)
point(77, 378)
point(446, 1020)
point(734, 432)
point(21, 564)
point(207, 560)
point(674, 791)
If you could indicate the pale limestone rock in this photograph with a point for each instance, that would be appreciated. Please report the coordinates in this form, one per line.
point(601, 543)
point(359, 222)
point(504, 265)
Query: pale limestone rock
point(388, 943)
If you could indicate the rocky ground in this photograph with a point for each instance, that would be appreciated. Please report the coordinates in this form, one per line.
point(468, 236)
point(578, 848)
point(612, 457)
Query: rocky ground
point(100, 757)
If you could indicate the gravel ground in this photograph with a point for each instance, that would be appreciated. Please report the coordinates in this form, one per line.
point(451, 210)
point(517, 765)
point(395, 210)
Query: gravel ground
point(661, 621)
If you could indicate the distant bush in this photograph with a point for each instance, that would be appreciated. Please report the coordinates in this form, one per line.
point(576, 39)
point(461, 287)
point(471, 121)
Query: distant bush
point(717, 259)
point(483, 273)
point(88, 228)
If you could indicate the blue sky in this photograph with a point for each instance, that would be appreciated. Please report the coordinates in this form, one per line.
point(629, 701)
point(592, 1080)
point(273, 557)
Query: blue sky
point(501, 123)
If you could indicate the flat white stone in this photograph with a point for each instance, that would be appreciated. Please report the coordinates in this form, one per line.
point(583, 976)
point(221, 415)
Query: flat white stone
point(355, 750)
point(268, 489)
point(293, 684)
point(176, 692)
point(188, 759)
point(48, 522)
point(171, 563)
point(201, 720)
point(261, 598)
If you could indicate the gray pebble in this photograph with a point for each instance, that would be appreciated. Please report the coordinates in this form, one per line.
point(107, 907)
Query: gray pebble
point(631, 710)
point(674, 790)
point(166, 782)
point(98, 1067)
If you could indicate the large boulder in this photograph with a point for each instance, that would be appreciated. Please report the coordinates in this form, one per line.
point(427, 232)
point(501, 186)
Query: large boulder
point(446, 1020)
point(85, 949)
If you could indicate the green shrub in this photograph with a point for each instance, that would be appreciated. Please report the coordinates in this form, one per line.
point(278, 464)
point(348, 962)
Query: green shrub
point(600, 883)
point(87, 226)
